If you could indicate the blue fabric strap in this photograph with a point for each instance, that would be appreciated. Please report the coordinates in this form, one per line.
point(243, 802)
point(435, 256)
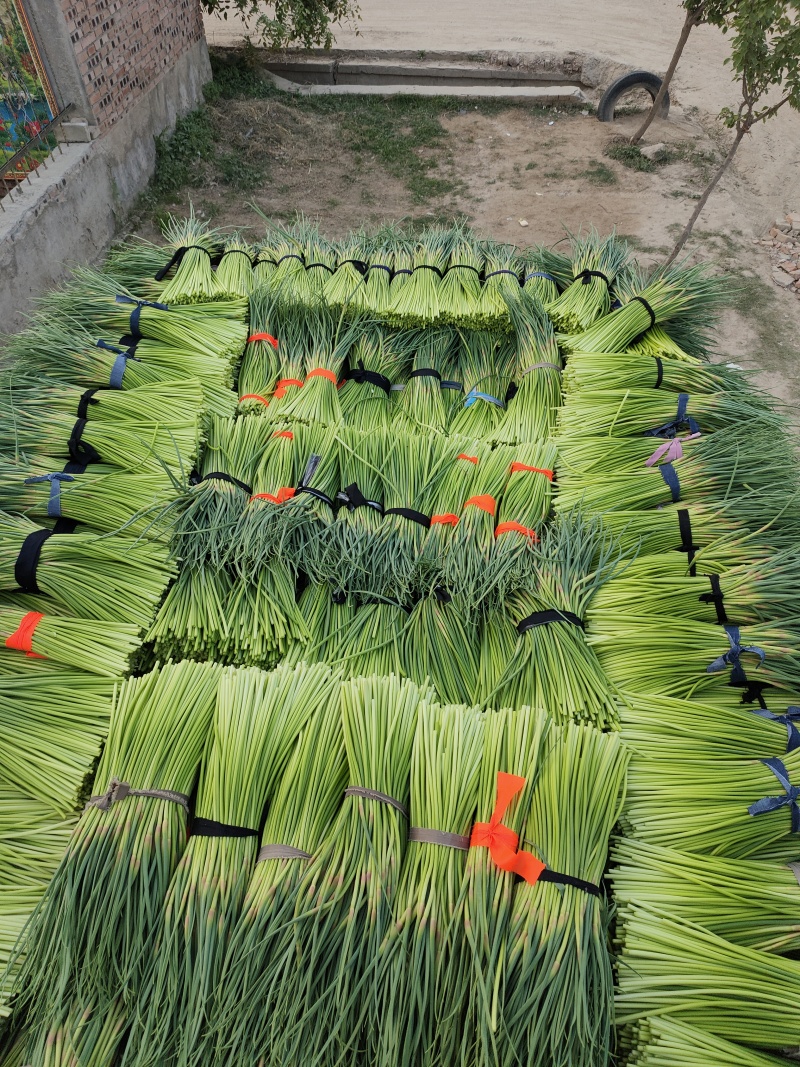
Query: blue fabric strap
point(55, 480)
point(791, 717)
point(789, 799)
point(670, 476)
point(732, 658)
point(474, 395)
point(682, 419)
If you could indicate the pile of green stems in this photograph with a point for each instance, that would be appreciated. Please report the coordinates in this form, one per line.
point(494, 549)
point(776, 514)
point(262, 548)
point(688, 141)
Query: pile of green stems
point(103, 648)
point(404, 1022)
point(531, 414)
point(256, 721)
point(692, 976)
point(327, 613)
point(556, 978)
point(700, 805)
point(300, 817)
point(194, 281)
point(466, 456)
point(632, 370)
point(235, 269)
point(747, 902)
point(52, 726)
point(95, 577)
point(416, 302)
point(420, 406)
point(319, 962)
point(92, 939)
point(467, 993)
point(667, 1042)
point(441, 646)
point(588, 298)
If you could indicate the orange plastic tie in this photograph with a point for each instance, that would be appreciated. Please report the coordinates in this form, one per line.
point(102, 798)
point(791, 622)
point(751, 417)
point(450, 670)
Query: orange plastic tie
point(263, 337)
point(22, 638)
point(484, 502)
point(284, 433)
point(280, 388)
point(515, 527)
point(500, 840)
point(254, 396)
point(321, 372)
point(448, 519)
point(463, 455)
point(536, 470)
point(284, 493)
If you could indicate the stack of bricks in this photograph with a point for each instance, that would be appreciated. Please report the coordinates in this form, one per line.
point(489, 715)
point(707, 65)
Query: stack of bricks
point(124, 47)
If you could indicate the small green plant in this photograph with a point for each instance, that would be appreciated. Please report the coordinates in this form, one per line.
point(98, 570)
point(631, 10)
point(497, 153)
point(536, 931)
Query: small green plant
point(531, 165)
point(599, 173)
point(629, 155)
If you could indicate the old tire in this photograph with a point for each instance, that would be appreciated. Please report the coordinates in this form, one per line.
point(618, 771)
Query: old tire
point(638, 79)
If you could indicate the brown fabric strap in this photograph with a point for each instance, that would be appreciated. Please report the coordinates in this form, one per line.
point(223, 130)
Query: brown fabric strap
point(281, 852)
point(118, 790)
point(374, 794)
point(795, 869)
point(438, 837)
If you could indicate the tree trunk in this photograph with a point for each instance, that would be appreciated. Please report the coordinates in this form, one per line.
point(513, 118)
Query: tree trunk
point(701, 203)
point(693, 16)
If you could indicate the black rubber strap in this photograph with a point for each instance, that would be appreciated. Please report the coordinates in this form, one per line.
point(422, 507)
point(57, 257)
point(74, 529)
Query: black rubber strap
point(401, 270)
point(291, 255)
point(221, 476)
point(235, 252)
point(74, 468)
point(339, 597)
point(81, 451)
point(641, 300)
point(359, 265)
point(429, 266)
point(177, 258)
point(659, 372)
point(687, 545)
point(318, 494)
point(442, 595)
point(670, 476)
point(494, 273)
point(381, 266)
point(463, 266)
point(353, 498)
point(86, 399)
point(586, 276)
point(716, 598)
point(426, 372)
point(65, 526)
point(542, 618)
point(360, 375)
point(212, 828)
point(452, 385)
point(755, 692)
point(566, 879)
point(28, 560)
point(413, 516)
point(310, 266)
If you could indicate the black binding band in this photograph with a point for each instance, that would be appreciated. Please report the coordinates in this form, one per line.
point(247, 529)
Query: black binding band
point(716, 598)
point(359, 265)
point(236, 251)
point(670, 476)
point(81, 451)
point(212, 828)
point(442, 595)
point(641, 300)
point(687, 545)
point(543, 618)
point(360, 375)
point(566, 879)
point(339, 597)
point(86, 399)
point(65, 526)
point(755, 692)
point(659, 372)
point(291, 255)
point(74, 468)
point(221, 476)
point(586, 276)
point(28, 560)
point(413, 516)
point(429, 266)
point(177, 259)
point(426, 372)
point(494, 273)
point(352, 497)
point(463, 266)
point(318, 494)
point(381, 266)
point(310, 266)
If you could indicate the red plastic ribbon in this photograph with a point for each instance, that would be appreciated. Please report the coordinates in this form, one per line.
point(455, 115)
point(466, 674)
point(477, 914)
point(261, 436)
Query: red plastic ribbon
point(284, 493)
point(22, 638)
point(284, 433)
point(515, 527)
point(463, 455)
point(263, 337)
point(448, 519)
point(500, 840)
point(321, 372)
point(280, 388)
point(536, 470)
point(254, 396)
point(484, 502)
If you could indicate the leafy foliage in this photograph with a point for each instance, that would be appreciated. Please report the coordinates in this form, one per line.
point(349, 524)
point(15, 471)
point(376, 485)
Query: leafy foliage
point(306, 22)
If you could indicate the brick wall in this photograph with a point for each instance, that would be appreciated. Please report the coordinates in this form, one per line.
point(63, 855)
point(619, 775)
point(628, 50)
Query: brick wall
point(124, 47)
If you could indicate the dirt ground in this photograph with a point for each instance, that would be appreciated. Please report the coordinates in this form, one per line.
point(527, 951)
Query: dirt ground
point(502, 167)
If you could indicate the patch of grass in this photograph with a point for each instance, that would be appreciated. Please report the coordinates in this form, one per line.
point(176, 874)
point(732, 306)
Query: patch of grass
point(238, 172)
point(554, 174)
point(531, 165)
point(629, 155)
point(178, 155)
point(599, 173)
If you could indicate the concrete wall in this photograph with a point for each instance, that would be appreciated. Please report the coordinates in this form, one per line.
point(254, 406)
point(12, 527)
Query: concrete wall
point(71, 210)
